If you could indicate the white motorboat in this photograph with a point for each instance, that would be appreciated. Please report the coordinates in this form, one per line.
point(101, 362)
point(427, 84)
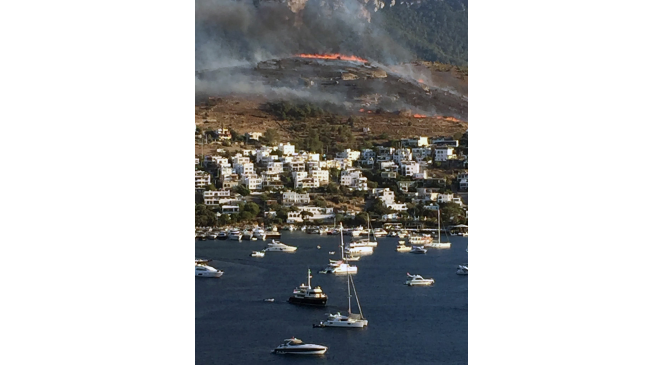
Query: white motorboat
point(414, 280)
point(363, 243)
point(247, 234)
point(235, 235)
point(418, 249)
point(294, 346)
point(259, 234)
point(462, 269)
point(379, 232)
point(279, 247)
point(402, 247)
point(222, 235)
point(353, 258)
point(257, 254)
point(291, 228)
point(359, 250)
point(438, 243)
point(207, 271)
point(352, 320)
point(420, 240)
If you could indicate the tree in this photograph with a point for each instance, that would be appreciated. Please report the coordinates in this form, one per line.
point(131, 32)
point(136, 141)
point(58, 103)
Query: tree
point(242, 190)
point(205, 217)
point(306, 214)
point(271, 137)
point(252, 208)
point(211, 187)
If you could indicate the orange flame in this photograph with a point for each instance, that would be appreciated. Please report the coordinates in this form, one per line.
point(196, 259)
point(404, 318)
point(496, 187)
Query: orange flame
point(420, 81)
point(419, 116)
point(361, 110)
point(333, 56)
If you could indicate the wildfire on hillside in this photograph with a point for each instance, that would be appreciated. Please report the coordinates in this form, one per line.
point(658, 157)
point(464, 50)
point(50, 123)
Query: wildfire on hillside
point(448, 119)
point(333, 56)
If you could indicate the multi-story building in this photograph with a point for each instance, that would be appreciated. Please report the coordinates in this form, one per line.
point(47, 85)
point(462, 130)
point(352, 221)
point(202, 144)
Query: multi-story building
point(323, 176)
point(239, 159)
point(443, 153)
point(274, 168)
point(349, 154)
point(417, 141)
point(318, 213)
point(297, 176)
point(244, 168)
point(287, 149)
point(308, 183)
point(421, 153)
point(214, 197)
point(409, 168)
point(202, 179)
point(252, 181)
point(353, 179)
point(291, 197)
point(402, 154)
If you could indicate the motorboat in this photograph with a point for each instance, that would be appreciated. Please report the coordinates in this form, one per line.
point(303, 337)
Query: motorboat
point(306, 295)
point(402, 247)
point(331, 252)
point(420, 240)
point(414, 280)
point(271, 300)
point(418, 249)
point(247, 234)
point(235, 235)
point(270, 235)
point(211, 236)
point(291, 228)
point(439, 243)
point(207, 271)
point(279, 246)
point(352, 320)
point(295, 346)
point(379, 232)
point(257, 254)
point(222, 235)
point(353, 258)
point(363, 243)
point(259, 234)
point(359, 250)
point(462, 269)
point(403, 234)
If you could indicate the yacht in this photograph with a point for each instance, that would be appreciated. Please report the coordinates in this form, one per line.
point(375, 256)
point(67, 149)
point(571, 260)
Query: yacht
point(353, 258)
point(294, 346)
point(379, 232)
point(235, 235)
point(352, 320)
point(420, 240)
point(439, 244)
point(222, 235)
point(401, 247)
point(207, 271)
point(305, 295)
point(418, 280)
point(291, 228)
point(418, 249)
point(247, 234)
point(462, 269)
point(257, 254)
point(279, 246)
point(211, 236)
point(259, 234)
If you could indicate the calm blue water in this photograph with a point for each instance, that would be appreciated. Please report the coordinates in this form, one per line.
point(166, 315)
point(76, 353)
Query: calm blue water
point(407, 325)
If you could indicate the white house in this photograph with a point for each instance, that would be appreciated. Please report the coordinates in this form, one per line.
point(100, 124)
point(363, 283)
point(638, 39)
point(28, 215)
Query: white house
point(410, 168)
point(214, 197)
point(274, 168)
point(349, 154)
point(417, 141)
point(308, 183)
point(230, 209)
point(291, 197)
point(323, 176)
point(318, 213)
point(353, 179)
point(244, 168)
point(202, 179)
point(441, 141)
point(287, 149)
point(239, 159)
point(368, 153)
point(255, 136)
point(298, 176)
point(252, 181)
point(297, 166)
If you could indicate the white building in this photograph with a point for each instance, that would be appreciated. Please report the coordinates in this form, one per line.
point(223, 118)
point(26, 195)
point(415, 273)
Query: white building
point(255, 136)
point(353, 179)
point(252, 181)
point(445, 142)
point(299, 176)
point(410, 168)
point(318, 213)
point(368, 153)
point(287, 149)
point(291, 197)
point(308, 183)
point(443, 153)
point(349, 154)
point(244, 168)
point(417, 141)
point(239, 159)
point(274, 168)
point(214, 197)
point(202, 179)
point(421, 153)
point(297, 166)
point(323, 176)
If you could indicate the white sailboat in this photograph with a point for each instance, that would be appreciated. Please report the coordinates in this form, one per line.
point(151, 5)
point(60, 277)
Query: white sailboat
point(342, 266)
point(352, 320)
point(438, 244)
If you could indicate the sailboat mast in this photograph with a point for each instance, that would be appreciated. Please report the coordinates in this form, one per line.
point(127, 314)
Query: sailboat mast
point(309, 278)
point(438, 224)
point(348, 281)
point(341, 245)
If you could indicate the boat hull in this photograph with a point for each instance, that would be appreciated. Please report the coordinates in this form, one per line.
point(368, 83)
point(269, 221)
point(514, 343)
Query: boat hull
point(314, 302)
point(300, 351)
point(209, 274)
point(346, 324)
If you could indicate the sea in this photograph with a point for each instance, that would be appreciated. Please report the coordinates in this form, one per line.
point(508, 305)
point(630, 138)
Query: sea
point(407, 325)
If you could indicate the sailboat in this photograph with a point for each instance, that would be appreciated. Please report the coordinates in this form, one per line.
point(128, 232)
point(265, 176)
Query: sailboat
point(341, 266)
point(366, 242)
point(439, 244)
point(352, 320)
